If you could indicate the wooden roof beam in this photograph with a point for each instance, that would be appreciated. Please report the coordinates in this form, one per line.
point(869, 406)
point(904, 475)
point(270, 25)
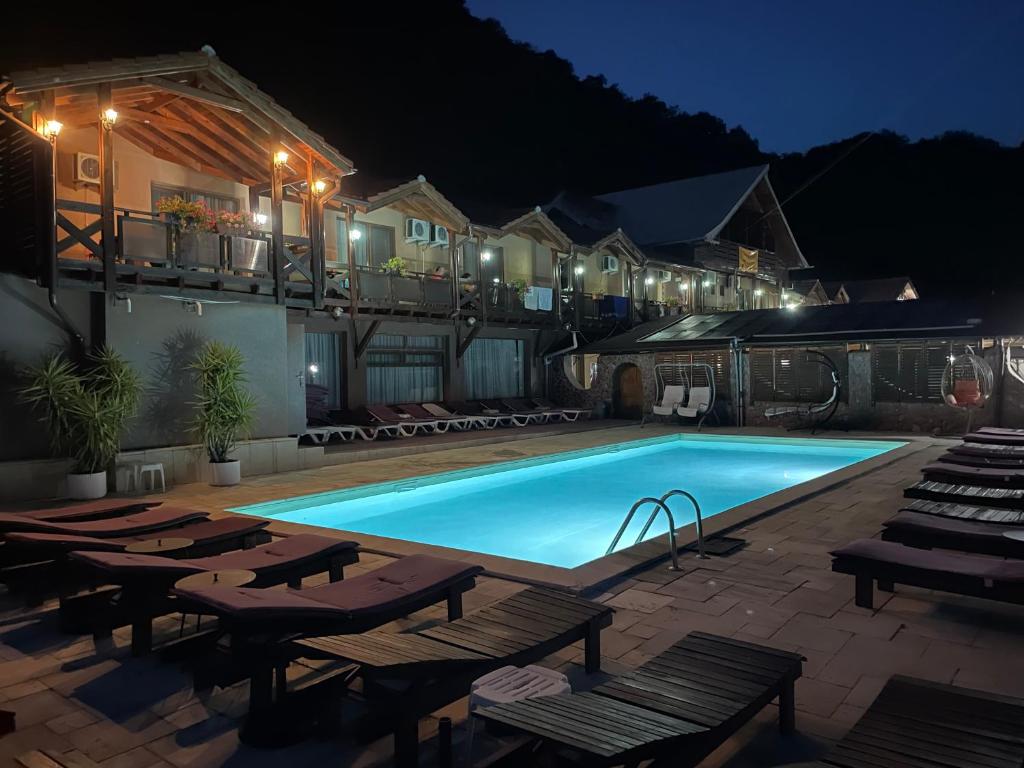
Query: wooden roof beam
point(208, 126)
point(209, 156)
point(197, 94)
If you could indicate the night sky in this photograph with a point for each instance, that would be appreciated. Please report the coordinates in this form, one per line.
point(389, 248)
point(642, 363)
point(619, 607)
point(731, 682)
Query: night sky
point(798, 73)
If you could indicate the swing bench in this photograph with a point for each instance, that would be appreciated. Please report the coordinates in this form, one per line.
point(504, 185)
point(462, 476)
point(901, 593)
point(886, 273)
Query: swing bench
point(817, 415)
point(679, 394)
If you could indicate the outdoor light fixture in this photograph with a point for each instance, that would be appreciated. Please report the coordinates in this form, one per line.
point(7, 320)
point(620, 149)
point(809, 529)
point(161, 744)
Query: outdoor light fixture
point(792, 306)
point(51, 128)
point(707, 283)
point(280, 157)
point(261, 219)
point(496, 280)
point(578, 269)
point(355, 234)
point(314, 368)
point(319, 186)
point(684, 286)
point(485, 255)
point(108, 118)
point(649, 281)
point(758, 292)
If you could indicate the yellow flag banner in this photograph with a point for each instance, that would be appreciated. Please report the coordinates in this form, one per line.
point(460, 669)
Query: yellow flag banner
point(748, 260)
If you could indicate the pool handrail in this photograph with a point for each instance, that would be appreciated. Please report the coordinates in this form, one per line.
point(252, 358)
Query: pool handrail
point(701, 554)
point(659, 505)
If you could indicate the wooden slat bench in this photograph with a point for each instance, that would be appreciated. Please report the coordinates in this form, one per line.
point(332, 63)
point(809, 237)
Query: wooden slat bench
point(920, 724)
point(677, 707)
point(1009, 498)
point(407, 675)
point(989, 449)
point(967, 512)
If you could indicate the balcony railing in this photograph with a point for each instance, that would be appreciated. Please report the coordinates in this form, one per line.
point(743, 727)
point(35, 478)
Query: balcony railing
point(410, 290)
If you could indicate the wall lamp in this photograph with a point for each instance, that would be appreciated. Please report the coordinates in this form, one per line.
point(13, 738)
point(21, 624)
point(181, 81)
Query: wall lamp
point(108, 118)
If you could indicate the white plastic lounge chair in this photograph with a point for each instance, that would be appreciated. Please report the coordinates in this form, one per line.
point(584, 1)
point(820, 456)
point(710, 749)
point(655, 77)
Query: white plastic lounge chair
point(670, 400)
point(700, 399)
point(460, 423)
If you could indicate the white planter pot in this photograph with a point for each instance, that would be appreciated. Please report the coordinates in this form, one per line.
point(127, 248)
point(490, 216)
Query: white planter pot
point(89, 486)
point(226, 472)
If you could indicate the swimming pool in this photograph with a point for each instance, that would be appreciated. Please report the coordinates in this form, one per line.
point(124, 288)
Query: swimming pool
point(563, 509)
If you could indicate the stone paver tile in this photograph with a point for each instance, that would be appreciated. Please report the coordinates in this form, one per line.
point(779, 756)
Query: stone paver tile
point(623, 619)
point(755, 632)
point(71, 721)
point(20, 690)
point(105, 739)
point(615, 644)
point(646, 631)
point(762, 614)
point(872, 656)
point(40, 707)
point(140, 757)
point(715, 605)
point(637, 600)
point(865, 691)
point(806, 600)
point(695, 587)
point(848, 714)
point(25, 739)
point(818, 697)
point(878, 624)
point(197, 713)
point(811, 632)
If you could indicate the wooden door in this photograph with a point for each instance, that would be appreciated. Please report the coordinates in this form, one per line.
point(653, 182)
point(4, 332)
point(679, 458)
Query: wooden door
point(628, 400)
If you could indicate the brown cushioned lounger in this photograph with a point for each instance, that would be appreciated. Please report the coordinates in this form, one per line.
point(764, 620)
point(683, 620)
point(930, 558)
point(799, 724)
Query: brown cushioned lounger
point(967, 460)
point(997, 477)
point(136, 522)
point(871, 560)
point(932, 490)
point(989, 449)
point(1009, 437)
point(920, 724)
point(674, 709)
point(926, 531)
point(90, 510)
point(354, 605)
point(146, 579)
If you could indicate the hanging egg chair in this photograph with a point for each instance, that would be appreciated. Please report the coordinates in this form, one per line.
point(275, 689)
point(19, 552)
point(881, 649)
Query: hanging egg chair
point(967, 381)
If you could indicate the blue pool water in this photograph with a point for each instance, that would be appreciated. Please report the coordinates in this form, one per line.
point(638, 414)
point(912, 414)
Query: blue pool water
point(564, 509)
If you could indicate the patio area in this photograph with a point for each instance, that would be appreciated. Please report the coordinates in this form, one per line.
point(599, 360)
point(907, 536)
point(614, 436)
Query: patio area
point(108, 708)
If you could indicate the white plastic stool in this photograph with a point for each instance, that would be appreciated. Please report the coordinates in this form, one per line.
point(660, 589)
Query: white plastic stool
point(127, 477)
point(511, 684)
point(152, 470)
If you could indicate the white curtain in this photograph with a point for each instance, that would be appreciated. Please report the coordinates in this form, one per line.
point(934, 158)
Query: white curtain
point(405, 369)
point(493, 368)
point(323, 365)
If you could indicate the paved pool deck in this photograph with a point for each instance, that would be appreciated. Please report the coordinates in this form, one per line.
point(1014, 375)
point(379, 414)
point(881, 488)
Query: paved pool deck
point(71, 697)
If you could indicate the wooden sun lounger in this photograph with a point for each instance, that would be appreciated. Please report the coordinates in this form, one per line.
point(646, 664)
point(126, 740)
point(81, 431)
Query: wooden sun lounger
point(871, 560)
point(103, 509)
point(995, 436)
point(408, 675)
point(967, 512)
point(920, 724)
point(968, 460)
point(925, 531)
point(677, 708)
point(931, 490)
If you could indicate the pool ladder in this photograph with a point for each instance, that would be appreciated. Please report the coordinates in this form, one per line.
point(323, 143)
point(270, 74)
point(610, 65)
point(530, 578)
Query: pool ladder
point(660, 505)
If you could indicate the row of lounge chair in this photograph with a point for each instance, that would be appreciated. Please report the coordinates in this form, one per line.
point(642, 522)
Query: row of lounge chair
point(411, 419)
point(675, 709)
point(963, 533)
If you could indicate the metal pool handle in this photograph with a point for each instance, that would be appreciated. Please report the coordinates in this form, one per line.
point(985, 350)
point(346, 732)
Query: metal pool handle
point(700, 524)
point(660, 505)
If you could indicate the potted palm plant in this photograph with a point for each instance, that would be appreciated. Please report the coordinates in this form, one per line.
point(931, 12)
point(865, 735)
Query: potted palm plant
point(85, 412)
point(224, 408)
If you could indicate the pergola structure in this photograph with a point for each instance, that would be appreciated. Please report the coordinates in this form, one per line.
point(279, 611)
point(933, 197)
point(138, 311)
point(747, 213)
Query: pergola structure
point(193, 110)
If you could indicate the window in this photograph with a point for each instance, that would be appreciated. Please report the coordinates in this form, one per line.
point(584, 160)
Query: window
point(717, 359)
point(493, 368)
point(492, 268)
point(404, 369)
point(375, 245)
point(214, 202)
point(793, 376)
point(580, 370)
point(323, 369)
point(911, 372)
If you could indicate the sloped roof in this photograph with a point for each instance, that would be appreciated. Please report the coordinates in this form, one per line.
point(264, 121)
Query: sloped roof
point(222, 91)
point(684, 210)
point(820, 325)
point(881, 289)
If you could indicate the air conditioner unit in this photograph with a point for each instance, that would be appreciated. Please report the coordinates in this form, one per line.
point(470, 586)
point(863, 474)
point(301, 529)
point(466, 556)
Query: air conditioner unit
point(609, 265)
point(417, 231)
point(439, 236)
point(87, 168)
point(662, 275)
